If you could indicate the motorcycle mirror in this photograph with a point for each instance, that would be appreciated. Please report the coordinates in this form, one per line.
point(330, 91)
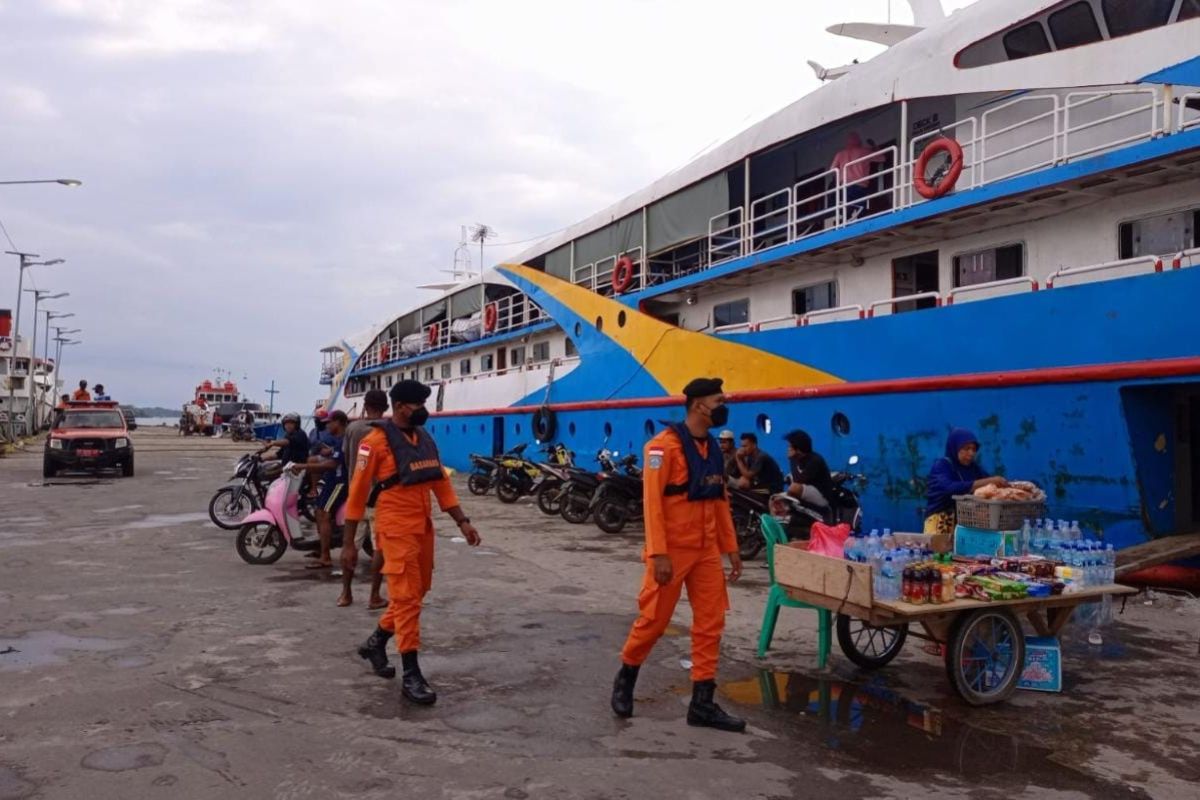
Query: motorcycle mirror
point(853, 460)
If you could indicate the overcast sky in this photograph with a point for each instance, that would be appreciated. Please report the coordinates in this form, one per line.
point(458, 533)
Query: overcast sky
point(262, 178)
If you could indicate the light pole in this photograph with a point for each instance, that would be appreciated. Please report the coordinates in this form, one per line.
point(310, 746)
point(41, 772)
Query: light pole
point(26, 263)
point(38, 296)
point(62, 342)
point(60, 335)
point(46, 345)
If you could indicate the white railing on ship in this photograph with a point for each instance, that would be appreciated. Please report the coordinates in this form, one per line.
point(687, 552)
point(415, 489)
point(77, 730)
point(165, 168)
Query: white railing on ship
point(1155, 262)
point(857, 310)
point(1185, 123)
point(970, 146)
point(908, 298)
point(1023, 281)
point(726, 236)
point(834, 210)
point(1051, 138)
point(1091, 97)
point(776, 220)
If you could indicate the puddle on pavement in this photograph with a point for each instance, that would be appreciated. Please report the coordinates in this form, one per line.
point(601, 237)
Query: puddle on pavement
point(166, 520)
point(116, 509)
point(874, 724)
point(125, 757)
point(77, 482)
point(42, 648)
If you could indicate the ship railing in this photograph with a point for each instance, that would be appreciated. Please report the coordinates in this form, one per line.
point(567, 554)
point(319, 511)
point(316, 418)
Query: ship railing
point(990, 289)
point(597, 275)
point(1077, 101)
point(1189, 257)
point(735, 327)
point(829, 211)
point(726, 236)
point(836, 314)
point(774, 323)
point(1048, 140)
point(891, 302)
point(1125, 266)
point(860, 208)
point(964, 133)
point(770, 220)
point(1189, 117)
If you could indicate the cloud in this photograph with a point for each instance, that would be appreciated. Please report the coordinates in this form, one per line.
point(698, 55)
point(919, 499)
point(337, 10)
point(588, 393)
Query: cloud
point(26, 104)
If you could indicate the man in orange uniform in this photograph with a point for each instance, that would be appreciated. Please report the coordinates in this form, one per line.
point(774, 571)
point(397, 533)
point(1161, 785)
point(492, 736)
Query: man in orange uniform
point(688, 527)
point(82, 394)
point(397, 467)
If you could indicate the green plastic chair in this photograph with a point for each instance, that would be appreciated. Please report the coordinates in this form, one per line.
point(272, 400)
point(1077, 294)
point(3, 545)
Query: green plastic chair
point(778, 598)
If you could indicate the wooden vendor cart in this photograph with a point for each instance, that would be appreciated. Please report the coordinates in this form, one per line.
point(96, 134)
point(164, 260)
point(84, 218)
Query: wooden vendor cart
point(985, 646)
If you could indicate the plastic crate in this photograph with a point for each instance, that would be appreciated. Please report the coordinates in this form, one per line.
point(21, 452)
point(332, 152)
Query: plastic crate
point(996, 515)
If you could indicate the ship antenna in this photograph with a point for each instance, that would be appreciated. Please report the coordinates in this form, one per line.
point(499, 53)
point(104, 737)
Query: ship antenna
point(481, 233)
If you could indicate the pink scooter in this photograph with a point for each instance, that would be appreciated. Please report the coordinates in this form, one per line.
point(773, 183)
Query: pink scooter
point(266, 533)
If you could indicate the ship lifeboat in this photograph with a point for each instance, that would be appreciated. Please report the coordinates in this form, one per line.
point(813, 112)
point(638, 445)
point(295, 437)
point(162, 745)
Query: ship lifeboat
point(411, 345)
point(467, 329)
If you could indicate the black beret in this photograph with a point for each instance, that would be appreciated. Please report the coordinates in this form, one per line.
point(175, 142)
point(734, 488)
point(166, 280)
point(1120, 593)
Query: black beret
point(702, 387)
point(408, 391)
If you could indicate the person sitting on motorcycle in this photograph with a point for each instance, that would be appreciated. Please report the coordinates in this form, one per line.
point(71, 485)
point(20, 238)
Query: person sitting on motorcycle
point(757, 471)
point(331, 465)
point(811, 481)
point(729, 453)
point(955, 473)
point(293, 447)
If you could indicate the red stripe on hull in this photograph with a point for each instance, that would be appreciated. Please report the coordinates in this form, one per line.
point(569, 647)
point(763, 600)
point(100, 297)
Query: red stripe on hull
point(1129, 370)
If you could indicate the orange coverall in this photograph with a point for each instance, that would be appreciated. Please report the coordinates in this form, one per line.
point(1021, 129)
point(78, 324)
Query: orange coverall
point(693, 535)
point(404, 530)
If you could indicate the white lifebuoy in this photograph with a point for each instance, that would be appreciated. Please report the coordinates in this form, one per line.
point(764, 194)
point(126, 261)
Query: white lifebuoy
point(6, 345)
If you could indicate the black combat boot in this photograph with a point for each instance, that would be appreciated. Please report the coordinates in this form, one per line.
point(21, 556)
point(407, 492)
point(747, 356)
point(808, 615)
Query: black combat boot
point(413, 685)
point(374, 649)
point(703, 712)
point(622, 693)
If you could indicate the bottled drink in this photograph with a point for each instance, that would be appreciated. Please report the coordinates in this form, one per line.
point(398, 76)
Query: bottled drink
point(887, 581)
point(1110, 563)
point(887, 540)
point(1026, 534)
point(906, 581)
point(848, 548)
point(1076, 531)
point(1055, 547)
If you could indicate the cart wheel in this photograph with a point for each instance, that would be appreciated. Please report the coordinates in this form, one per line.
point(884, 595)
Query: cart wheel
point(985, 656)
point(867, 646)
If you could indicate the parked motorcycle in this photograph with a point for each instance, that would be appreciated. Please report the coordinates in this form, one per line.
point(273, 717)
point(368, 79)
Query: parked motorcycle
point(267, 532)
point(483, 474)
point(244, 492)
point(518, 476)
point(748, 508)
point(798, 516)
point(554, 474)
point(575, 497)
point(241, 431)
point(618, 499)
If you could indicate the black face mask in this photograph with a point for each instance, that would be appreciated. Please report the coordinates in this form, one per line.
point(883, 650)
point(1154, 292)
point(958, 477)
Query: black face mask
point(418, 417)
point(719, 416)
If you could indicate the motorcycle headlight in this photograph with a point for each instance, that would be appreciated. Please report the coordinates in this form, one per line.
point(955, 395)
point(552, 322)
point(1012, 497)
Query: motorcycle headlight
point(56, 444)
point(121, 443)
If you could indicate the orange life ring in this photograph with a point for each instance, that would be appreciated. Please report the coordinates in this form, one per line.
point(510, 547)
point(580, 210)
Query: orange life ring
point(622, 274)
point(490, 314)
point(941, 144)
point(432, 335)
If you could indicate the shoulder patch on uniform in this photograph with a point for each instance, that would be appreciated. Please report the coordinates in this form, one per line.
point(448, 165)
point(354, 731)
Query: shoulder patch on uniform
point(654, 457)
point(364, 449)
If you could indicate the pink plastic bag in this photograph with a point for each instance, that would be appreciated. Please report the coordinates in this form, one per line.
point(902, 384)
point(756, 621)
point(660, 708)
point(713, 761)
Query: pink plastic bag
point(828, 540)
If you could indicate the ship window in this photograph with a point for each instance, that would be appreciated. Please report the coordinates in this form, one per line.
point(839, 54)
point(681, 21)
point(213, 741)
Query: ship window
point(487, 362)
point(1130, 16)
point(571, 349)
point(464, 367)
point(1165, 234)
point(1074, 25)
point(1189, 10)
point(735, 312)
point(541, 351)
point(389, 381)
point(517, 356)
point(915, 274)
point(429, 373)
point(814, 298)
point(445, 370)
point(992, 264)
point(1027, 40)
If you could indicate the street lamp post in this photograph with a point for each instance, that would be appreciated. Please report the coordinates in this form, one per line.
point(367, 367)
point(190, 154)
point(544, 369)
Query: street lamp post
point(62, 342)
point(26, 263)
point(38, 296)
point(46, 345)
point(60, 181)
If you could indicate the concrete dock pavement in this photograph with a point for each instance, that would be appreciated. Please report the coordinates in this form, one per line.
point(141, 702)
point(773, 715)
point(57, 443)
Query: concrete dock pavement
point(140, 657)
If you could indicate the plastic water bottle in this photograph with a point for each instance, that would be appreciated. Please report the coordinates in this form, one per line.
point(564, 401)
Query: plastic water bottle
point(1110, 564)
point(888, 541)
point(889, 589)
point(1056, 544)
point(1076, 531)
point(1026, 534)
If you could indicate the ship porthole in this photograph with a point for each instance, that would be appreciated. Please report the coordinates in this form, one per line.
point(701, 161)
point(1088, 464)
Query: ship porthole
point(840, 424)
point(621, 320)
point(482, 428)
point(607, 429)
point(649, 428)
point(764, 423)
point(571, 429)
point(464, 427)
point(517, 429)
point(599, 323)
point(578, 329)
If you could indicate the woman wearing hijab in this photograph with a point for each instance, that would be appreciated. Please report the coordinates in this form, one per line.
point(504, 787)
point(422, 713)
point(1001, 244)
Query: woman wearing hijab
point(955, 473)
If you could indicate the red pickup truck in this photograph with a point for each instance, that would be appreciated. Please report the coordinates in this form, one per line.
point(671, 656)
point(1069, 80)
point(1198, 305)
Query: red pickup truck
point(88, 436)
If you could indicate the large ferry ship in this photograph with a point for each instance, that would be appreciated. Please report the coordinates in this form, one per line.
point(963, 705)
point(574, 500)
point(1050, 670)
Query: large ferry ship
point(27, 381)
point(992, 224)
